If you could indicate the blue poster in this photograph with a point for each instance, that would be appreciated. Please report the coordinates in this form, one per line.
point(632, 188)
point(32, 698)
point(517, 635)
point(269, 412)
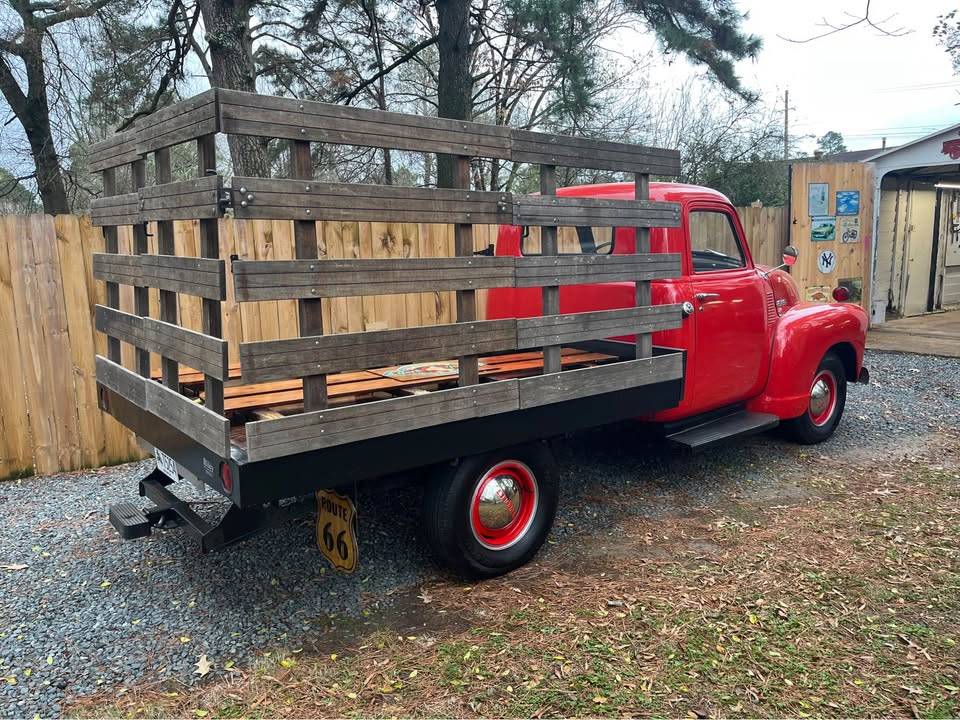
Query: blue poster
point(848, 202)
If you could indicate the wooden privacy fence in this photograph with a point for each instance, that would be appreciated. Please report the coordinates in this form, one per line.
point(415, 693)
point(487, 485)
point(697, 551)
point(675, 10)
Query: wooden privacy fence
point(49, 419)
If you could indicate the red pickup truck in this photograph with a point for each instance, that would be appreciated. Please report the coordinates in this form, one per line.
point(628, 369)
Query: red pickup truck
point(756, 355)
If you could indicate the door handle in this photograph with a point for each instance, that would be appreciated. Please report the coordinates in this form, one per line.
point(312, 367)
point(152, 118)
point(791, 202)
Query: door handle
point(706, 296)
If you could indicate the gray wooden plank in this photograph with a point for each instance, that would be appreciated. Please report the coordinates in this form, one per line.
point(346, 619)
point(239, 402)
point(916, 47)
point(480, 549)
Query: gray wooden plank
point(194, 199)
point(582, 269)
point(325, 428)
point(569, 151)
point(573, 384)
point(267, 116)
point(198, 422)
point(178, 123)
point(115, 210)
point(598, 325)
point(194, 349)
point(303, 200)
point(112, 152)
point(298, 357)
point(549, 210)
point(201, 277)
point(296, 279)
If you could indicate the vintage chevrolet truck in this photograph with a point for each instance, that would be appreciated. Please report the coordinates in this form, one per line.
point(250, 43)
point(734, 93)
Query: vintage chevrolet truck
point(604, 303)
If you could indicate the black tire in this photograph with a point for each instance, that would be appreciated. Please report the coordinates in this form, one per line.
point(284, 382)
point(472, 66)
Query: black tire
point(448, 512)
point(810, 429)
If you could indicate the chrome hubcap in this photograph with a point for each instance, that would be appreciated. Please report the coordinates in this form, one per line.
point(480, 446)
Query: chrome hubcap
point(819, 398)
point(499, 502)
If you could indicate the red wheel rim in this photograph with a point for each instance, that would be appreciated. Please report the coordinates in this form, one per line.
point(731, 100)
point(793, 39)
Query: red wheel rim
point(823, 398)
point(504, 504)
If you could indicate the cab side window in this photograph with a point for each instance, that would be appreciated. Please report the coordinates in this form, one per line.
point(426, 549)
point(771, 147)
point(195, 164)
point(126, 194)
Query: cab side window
point(713, 242)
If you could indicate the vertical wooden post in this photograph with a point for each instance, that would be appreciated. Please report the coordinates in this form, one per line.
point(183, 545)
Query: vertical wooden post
point(466, 299)
point(550, 295)
point(141, 295)
point(111, 245)
point(210, 248)
point(644, 340)
point(305, 243)
point(166, 246)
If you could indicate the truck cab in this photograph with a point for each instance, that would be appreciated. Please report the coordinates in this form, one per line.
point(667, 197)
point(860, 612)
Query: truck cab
point(751, 345)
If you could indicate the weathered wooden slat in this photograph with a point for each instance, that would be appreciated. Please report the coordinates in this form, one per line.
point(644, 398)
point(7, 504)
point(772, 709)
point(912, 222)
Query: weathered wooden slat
point(195, 350)
point(573, 384)
point(250, 114)
point(568, 151)
point(581, 269)
point(296, 279)
point(308, 200)
point(178, 123)
point(185, 200)
point(114, 151)
point(548, 210)
point(325, 428)
point(115, 210)
point(202, 277)
point(602, 324)
point(297, 357)
point(206, 427)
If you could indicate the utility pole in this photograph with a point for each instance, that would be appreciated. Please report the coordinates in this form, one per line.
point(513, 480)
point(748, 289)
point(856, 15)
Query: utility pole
point(786, 125)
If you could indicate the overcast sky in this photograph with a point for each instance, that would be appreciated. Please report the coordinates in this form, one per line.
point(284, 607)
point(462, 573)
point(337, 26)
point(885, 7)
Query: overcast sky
point(857, 82)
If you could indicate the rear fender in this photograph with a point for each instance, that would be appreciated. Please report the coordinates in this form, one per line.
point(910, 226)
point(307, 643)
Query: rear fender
point(803, 335)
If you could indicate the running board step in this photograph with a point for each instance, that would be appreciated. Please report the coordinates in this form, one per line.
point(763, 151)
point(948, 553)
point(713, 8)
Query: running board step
point(738, 424)
point(129, 520)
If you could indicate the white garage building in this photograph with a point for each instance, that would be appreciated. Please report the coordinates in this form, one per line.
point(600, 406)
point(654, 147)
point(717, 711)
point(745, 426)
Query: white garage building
point(916, 253)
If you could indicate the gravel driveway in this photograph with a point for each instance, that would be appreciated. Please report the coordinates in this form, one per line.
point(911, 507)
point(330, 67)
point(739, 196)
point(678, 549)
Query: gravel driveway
point(83, 612)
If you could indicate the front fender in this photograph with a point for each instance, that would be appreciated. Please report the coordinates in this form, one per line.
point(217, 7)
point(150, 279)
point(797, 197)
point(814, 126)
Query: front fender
point(802, 336)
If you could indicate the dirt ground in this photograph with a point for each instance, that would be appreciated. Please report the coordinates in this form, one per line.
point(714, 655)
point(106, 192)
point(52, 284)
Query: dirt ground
point(834, 591)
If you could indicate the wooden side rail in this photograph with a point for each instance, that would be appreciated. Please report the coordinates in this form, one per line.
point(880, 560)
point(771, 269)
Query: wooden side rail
point(179, 123)
point(285, 199)
point(205, 426)
point(295, 279)
point(116, 151)
point(297, 357)
point(256, 280)
point(199, 198)
point(195, 350)
point(314, 430)
point(202, 277)
point(275, 117)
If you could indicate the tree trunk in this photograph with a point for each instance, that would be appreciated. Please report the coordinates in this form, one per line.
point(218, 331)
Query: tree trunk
point(455, 81)
point(227, 26)
point(33, 112)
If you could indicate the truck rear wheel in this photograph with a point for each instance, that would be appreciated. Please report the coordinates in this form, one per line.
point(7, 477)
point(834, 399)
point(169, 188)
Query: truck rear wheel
point(828, 396)
point(490, 513)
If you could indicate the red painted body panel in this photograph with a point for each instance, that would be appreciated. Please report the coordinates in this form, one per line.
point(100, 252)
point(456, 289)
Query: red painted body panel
point(755, 343)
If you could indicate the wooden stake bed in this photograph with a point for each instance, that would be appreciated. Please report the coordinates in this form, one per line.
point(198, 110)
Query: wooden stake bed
point(318, 391)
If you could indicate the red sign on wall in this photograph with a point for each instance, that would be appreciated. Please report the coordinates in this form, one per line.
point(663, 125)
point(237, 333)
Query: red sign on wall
point(952, 148)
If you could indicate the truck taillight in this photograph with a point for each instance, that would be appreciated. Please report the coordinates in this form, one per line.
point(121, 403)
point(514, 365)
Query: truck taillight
point(226, 479)
point(841, 293)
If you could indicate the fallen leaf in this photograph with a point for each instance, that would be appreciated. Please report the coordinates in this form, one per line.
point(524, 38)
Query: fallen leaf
point(184, 639)
point(203, 666)
point(15, 566)
point(106, 584)
point(288, 662)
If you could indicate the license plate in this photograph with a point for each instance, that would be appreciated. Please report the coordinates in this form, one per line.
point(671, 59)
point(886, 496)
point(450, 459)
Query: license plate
point(166, 464)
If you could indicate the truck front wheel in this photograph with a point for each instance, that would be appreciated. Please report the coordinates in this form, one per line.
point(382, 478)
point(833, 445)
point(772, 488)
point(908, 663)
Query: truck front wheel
point(828, 395)
point(490, 513)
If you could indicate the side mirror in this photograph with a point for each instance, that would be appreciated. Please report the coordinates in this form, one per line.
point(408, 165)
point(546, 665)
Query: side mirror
point(790, 255)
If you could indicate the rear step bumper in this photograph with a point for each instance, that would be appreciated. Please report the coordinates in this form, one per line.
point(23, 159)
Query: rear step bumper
point(725, 427)
point(170, 512)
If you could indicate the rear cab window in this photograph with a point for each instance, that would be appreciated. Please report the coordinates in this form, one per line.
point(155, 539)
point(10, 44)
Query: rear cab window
point(714, 244)
point(582, 240)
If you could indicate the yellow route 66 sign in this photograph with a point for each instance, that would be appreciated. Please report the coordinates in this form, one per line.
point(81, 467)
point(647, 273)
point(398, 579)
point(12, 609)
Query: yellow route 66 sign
point(337, 530)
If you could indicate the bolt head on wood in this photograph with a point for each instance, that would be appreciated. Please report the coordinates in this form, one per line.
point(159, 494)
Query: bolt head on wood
point(243, 203)
point(243, 190)
point(308, 211)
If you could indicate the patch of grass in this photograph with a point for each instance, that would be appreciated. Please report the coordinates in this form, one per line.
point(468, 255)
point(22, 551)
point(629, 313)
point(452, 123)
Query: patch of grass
point(845, 607)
